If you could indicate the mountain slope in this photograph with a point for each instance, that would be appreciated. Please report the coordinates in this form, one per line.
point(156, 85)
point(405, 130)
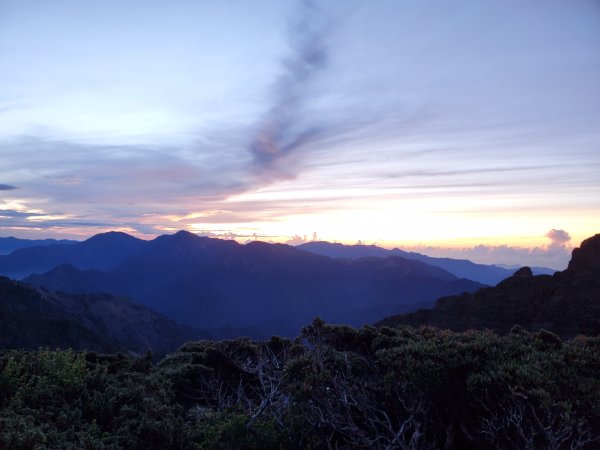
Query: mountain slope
point(462, 268)
point(33, 317)
point(10, 244)
point(102, 251)
point(567, 303)
point(273, 288)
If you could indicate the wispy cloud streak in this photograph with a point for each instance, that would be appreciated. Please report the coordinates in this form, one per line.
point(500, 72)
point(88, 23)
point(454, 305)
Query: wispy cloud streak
point(285, 129)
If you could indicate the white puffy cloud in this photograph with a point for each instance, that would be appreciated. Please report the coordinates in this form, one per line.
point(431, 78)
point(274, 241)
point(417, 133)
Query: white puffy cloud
point(558, 237)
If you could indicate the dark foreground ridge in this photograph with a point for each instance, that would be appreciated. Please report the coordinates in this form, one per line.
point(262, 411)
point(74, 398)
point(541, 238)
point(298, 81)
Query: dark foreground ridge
point(35, 317)
point(567, 303)
point(334, 387)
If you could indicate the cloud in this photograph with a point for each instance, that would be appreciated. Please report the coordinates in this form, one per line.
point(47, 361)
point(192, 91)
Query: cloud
point(296, 240)
point(555, 255)
point(284, 129)
point(7, 187)
point(87, 173)
point(140, 187)
point(558, 237)
point(544, 256)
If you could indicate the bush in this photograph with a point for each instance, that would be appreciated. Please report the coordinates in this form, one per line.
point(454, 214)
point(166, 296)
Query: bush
point(333, 387)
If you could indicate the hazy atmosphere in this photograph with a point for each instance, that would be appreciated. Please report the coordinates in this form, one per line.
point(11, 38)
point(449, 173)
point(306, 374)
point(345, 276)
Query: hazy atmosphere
point(462, 129)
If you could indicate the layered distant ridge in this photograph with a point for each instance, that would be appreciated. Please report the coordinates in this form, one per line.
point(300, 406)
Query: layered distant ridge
point(263, 288)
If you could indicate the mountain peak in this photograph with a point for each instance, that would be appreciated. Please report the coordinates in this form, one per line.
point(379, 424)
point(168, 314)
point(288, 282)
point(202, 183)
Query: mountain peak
point(184, 234)
point(111, 236)
point(523, 272)
point(586, 258)
point(182, 237)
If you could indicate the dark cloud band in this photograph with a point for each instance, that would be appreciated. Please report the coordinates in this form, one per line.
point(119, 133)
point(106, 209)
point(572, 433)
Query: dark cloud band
point(285, 129)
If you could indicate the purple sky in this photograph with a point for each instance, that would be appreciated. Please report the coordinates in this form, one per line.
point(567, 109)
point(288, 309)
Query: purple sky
point(439, 125)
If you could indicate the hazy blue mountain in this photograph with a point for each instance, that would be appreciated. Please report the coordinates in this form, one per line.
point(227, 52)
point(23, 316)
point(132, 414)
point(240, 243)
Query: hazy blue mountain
point(567, 303)
point(270, 288)
point(35, 317)
point(462, 268)
point(536, 270)
point(10, 244)
point(108, 250)
point(102, 251)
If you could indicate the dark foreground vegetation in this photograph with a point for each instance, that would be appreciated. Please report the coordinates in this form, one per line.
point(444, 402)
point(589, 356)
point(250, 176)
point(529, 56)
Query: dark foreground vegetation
point(333, 387)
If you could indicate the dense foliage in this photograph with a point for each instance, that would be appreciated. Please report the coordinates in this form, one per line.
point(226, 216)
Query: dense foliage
point(333, 387)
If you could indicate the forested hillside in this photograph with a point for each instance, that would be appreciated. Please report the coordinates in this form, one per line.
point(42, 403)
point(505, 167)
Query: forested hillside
point(32, 317)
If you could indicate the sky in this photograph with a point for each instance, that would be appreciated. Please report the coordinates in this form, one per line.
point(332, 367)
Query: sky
point(460, 128)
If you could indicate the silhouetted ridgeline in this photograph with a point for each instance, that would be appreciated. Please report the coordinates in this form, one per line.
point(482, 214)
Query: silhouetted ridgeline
point(10, 244)
point(462, 268)
point(334, 387)
point(126, 246)
point(567, 303)
point(263, 288)
point(103, 251)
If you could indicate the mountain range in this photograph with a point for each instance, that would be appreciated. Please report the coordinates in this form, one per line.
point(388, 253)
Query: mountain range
point(462, 268)
point(259, 289)
point(21, 264)
point(264, 288)
point(36, 317)
point(102, 251)
point(567, 303)
point(10, 244)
